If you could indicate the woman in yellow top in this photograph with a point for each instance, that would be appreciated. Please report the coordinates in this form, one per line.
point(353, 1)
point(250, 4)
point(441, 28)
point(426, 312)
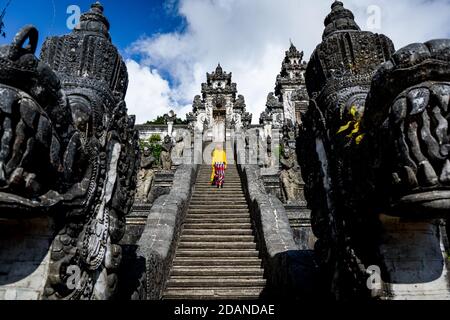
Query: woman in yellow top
point(219, 165)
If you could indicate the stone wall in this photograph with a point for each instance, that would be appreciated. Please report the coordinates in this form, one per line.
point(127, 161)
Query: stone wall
point(25, 257)
point(146, 131)
point(300, 221)
point(159, 240)
point(291, 273)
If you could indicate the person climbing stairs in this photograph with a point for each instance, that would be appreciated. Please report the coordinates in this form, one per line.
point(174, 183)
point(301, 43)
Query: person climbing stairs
point(217, 256)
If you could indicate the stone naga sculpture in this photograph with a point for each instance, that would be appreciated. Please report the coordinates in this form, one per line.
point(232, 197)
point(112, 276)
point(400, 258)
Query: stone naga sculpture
point(374, 150)
point(69, 152)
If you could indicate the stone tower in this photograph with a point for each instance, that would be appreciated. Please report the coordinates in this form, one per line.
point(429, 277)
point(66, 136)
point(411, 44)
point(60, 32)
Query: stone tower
point(290, 85)
point(290, 99)
point(219, 109)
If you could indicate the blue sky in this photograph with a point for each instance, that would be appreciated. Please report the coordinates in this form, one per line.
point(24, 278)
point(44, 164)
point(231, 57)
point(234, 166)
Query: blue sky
point(169, 45)
point(129, 19)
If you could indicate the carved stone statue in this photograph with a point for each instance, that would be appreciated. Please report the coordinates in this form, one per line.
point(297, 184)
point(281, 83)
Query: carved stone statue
point(240, 102)
point(374, 150)
point(179, 146)
point(146, 176)
point(290, 177)
point(68, 162)
point(166, 154)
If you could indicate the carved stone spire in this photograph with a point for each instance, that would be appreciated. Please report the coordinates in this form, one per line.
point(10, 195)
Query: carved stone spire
point(95, 21)
point(339, 19)
point(219, 69)
point(87, 54)
point(347, 53)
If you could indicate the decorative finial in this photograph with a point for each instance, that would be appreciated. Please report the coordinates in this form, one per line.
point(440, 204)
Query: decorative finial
point(339, 19)
point(98, 7)
point(94, 20)
point(219, 69)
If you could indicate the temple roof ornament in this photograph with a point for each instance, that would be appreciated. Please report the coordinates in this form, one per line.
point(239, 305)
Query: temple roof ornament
point(292, 70)
point(94, 21)
point(219, 98)
point(339, 19)
point(219, 82)
point(294, 53)
point(87, 53)
point(218, 75)
point(347, 57)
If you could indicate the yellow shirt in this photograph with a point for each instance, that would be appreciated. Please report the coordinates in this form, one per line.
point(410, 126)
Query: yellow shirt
point(218, 156)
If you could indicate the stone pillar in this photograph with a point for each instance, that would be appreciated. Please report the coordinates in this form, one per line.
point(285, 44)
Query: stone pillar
point(198, 147)
point(170, 128)
point(289, 107)
point(170, 120)
point(413, 255)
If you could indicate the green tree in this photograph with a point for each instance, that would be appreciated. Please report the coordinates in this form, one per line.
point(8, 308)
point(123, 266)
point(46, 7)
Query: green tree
point(160, 120)
point(153, 144)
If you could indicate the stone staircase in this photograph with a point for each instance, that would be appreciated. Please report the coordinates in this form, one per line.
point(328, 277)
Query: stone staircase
point(217, 257)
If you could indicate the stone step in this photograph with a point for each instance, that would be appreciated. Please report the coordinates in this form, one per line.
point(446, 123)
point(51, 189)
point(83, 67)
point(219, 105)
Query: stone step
point(218, 202)
point(230, 177)
point(211, 197)
point(223, 197)
point(219, 196)
point(219, 190)
point(217, 245)
point(220, 212)
point(210, 238)
point(218, 253)
point(216, 271)
point(224, 194)
point(228, 180)
point(216, 282)
point(211, 261)
point(214, 215)
point(208, 170)
point(219, 232)
point(214, 279)
point(207, 180)
point(228, 206)
point(207, 175)
point(223, 226)
point(225, 189)
point(217, 220)
point(213, 293)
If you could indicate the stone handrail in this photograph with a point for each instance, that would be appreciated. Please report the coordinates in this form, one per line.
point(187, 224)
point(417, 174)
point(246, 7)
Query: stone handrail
point(283, 262)
point(159, 240)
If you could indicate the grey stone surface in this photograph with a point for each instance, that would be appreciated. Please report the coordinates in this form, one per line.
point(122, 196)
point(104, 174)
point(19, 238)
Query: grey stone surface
point(69, 151)
point(374, 143)
point(300, 221)
point(25, 257)
point(291, 273)
point(160, 237)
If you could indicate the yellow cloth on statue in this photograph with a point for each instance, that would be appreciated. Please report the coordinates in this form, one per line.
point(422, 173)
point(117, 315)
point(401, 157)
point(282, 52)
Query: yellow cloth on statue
point(218, 156)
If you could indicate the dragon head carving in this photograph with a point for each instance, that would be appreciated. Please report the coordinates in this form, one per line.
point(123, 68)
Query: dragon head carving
point(374, 142)
point(69, 150)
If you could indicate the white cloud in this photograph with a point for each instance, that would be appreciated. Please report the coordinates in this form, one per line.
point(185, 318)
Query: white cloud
point(249, 38)
point(148, 93)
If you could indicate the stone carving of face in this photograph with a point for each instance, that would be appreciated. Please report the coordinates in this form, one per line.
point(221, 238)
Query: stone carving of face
point(407, 122)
